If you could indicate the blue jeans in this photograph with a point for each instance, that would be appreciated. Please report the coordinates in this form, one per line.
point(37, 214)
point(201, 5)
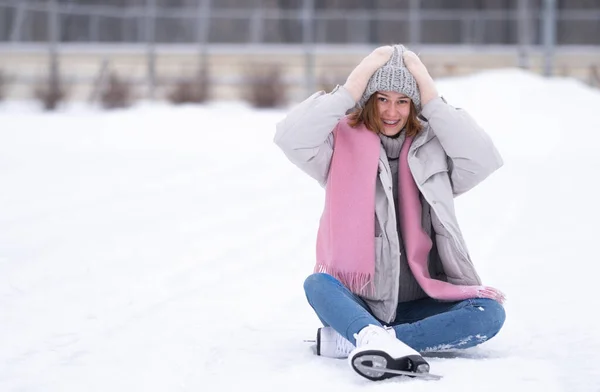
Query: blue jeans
point(424, 324)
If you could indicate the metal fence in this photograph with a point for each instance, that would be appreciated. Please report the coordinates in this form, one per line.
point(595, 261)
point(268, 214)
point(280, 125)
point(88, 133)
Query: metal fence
point(259, 22)
point(307, 26)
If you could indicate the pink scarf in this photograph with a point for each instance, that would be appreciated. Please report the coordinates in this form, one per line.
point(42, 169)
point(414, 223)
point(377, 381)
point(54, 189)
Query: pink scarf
point(345, 240)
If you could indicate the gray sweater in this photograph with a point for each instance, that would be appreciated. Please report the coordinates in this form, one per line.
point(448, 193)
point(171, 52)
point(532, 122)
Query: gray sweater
point(409, 288)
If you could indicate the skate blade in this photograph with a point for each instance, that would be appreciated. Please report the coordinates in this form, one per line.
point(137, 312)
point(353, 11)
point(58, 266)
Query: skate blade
point(375, 368)
point(425, 376)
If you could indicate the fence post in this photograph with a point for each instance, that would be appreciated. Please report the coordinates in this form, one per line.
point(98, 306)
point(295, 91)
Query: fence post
point(549, 35)
point(204, 9)
point(151, 47)
point(371, 8)
point(256, 23)
point(94, 28)
point(53, 36)
point(15, 34)
point(524, 37)
point(309, 47)
point(3, 21)
point(415, 22)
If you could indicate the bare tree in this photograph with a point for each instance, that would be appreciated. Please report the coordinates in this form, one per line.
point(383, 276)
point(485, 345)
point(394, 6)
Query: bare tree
point(53, 92)
point(2, 85)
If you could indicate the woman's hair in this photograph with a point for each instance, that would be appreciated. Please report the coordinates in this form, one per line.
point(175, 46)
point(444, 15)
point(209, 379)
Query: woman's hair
point(370, 117)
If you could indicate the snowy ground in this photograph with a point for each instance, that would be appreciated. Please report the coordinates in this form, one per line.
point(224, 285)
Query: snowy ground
point(164, 249)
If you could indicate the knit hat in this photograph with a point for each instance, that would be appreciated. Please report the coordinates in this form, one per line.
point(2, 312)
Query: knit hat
point(393, 76)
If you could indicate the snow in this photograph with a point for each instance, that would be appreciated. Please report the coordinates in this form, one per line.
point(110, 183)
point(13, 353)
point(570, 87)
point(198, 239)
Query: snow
point(164, 248)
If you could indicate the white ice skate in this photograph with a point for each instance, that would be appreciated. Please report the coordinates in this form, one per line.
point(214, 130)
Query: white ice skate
point(379, 355)
point(333, 345)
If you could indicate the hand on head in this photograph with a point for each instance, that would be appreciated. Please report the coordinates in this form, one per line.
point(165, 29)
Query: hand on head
point(391, 68)
point(379, 56)
point(414, 64)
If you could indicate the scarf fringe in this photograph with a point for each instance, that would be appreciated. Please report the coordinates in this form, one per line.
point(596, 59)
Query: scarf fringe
point(357, 282)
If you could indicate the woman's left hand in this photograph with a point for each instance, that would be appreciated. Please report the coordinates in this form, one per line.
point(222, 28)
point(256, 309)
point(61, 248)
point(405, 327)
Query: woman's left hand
point(425, 82)
point(415, 65)
point(491, 293)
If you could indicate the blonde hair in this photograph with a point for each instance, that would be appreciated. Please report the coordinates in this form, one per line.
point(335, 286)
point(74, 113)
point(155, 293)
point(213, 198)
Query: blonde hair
point(370, 117)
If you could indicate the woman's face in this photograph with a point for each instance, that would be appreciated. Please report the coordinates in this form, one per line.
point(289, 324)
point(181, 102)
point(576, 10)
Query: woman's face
point(393, 109)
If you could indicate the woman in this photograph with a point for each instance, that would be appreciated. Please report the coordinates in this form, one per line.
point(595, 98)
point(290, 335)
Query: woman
point(393, 276)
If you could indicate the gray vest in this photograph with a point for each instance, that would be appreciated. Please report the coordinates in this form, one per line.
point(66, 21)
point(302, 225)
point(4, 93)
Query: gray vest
point(409, 289)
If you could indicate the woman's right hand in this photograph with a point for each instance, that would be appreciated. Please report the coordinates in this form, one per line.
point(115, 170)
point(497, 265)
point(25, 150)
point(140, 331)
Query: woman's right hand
point(379, 57)
point(359, 77)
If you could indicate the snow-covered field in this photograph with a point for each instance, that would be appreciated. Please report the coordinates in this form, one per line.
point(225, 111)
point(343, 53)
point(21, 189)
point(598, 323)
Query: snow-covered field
point(164, 249)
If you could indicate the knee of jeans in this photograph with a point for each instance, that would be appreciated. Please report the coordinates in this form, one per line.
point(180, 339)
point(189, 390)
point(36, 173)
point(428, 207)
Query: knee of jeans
point(314, 282)
point(493, 315)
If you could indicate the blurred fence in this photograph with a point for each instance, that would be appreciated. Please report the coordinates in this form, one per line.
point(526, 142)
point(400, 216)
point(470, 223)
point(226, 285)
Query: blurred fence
point(532, 32)
point(260, 22)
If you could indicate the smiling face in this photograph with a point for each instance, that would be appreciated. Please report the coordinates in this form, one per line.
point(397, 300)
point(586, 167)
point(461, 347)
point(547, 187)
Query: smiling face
point(394, 110)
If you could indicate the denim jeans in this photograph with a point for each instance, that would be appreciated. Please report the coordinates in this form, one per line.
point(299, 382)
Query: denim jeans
point(425, 324)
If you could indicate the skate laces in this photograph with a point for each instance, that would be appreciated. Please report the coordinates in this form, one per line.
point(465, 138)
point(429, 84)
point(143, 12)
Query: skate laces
point(343, 345)
point(371, 333)
point(333, 344)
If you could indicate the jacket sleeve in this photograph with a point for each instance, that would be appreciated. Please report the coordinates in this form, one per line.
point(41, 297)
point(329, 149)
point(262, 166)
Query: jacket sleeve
point(305, 135)
point(471, 152)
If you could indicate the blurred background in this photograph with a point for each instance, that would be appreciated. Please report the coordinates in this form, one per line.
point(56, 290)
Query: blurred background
point(272, 52)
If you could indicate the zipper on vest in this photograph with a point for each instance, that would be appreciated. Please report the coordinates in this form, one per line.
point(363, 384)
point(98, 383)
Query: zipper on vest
point(391, 190)
point(392, 206)
point(389, 175)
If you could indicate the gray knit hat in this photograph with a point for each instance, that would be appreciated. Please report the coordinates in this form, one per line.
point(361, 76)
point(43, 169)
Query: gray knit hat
point(393, 76)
